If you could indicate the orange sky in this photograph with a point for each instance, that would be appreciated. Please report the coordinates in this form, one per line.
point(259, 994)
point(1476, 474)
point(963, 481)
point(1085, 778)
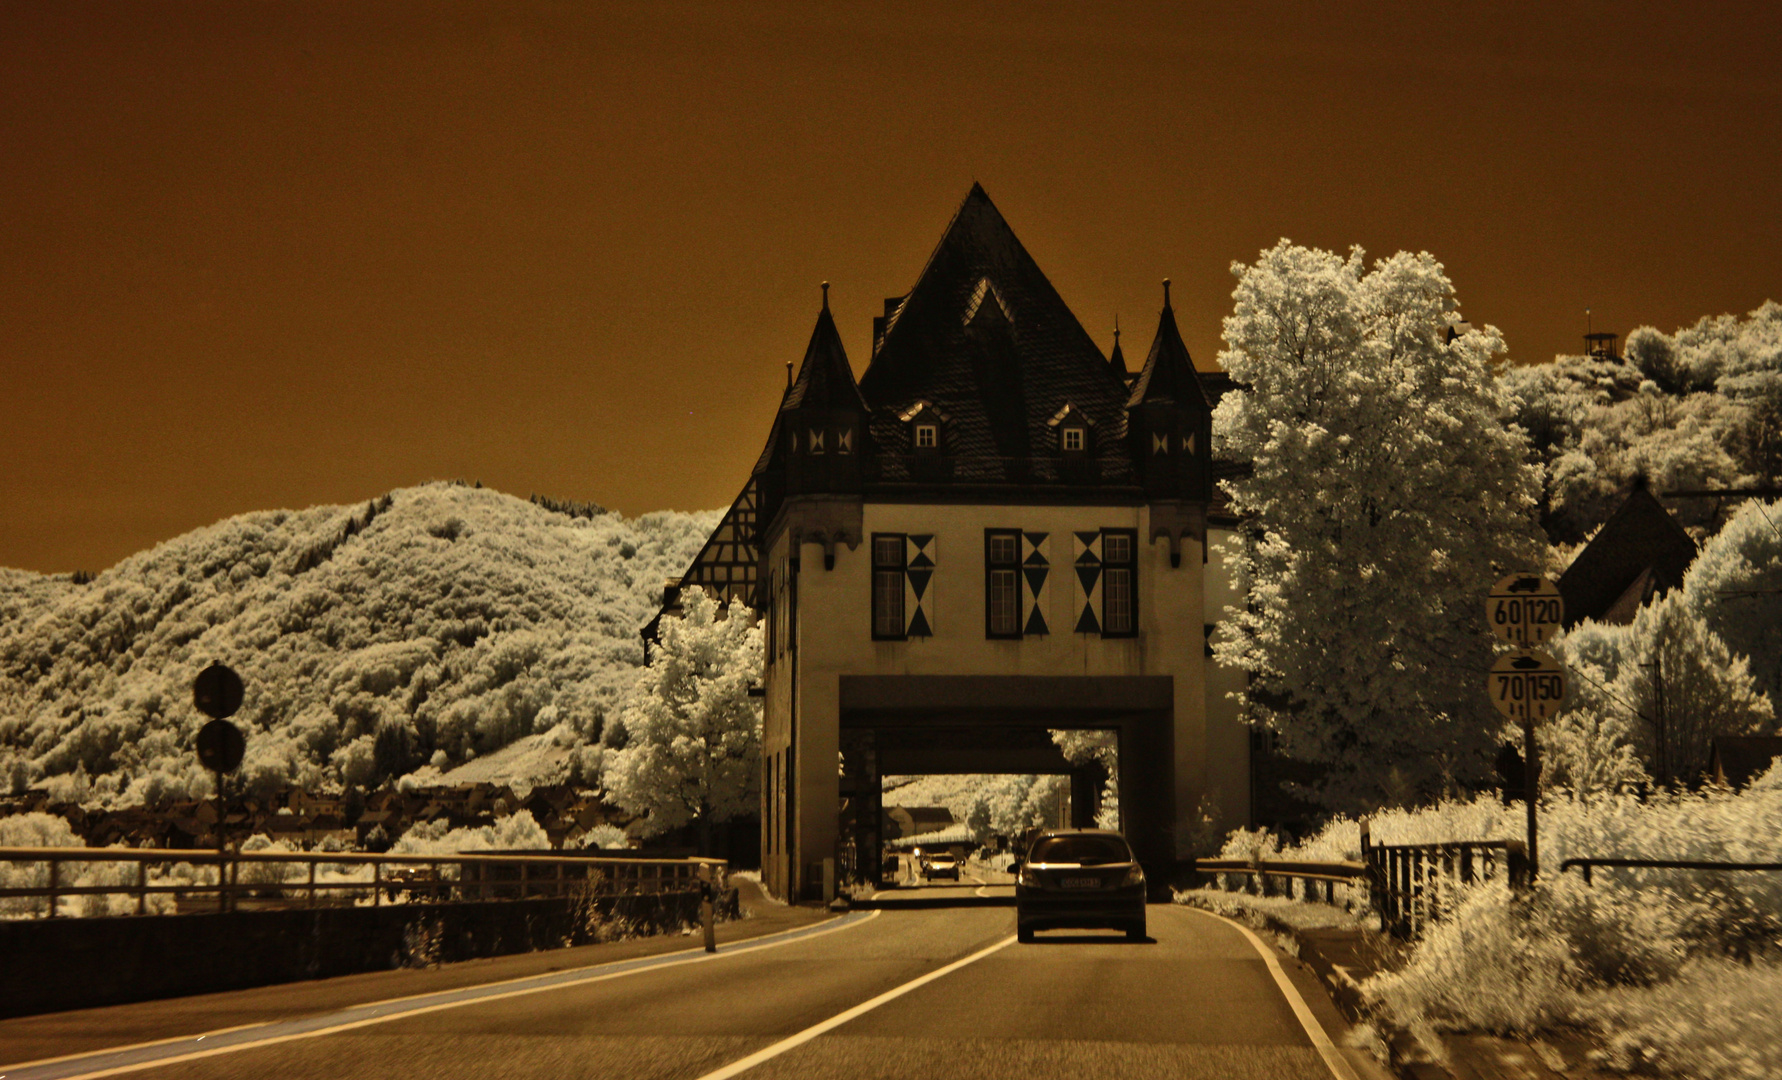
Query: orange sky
point(259, 255)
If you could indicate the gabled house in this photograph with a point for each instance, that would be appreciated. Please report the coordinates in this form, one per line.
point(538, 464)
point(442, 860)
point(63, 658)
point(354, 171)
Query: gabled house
point(1638, 555)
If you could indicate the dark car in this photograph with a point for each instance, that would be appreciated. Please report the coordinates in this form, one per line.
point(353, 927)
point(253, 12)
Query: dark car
point(1080, 878)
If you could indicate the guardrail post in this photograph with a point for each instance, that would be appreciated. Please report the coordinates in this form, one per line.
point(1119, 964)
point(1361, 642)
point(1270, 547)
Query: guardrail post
point(1517, 857)
point(54, 885)
point(142, 888)
point(377, 894)
point(312, 884)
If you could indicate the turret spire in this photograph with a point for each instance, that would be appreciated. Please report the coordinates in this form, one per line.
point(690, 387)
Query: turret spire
point(1117, 361)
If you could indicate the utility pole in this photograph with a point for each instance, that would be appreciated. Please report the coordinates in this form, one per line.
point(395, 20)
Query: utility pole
point(1661, 755)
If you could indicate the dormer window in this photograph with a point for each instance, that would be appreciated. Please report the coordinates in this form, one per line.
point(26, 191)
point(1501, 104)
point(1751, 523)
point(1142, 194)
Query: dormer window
point(1072, 429)
point(924, 424)
point(816, 442)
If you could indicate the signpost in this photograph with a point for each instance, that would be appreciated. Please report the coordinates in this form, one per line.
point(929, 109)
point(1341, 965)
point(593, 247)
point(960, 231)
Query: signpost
point(217, 692)
point(1526, 685)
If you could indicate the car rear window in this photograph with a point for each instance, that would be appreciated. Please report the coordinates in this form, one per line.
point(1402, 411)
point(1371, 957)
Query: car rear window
point(1079, 849)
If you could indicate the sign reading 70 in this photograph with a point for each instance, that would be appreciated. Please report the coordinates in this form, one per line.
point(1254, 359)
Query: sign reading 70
point(1527, 685)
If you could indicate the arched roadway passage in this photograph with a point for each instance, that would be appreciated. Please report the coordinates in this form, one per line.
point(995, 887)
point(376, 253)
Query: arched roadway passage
point(991, 724)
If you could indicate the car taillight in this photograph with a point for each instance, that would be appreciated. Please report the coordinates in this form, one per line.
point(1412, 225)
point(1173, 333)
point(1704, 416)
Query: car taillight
point(1135, 876)
point(1026, 877)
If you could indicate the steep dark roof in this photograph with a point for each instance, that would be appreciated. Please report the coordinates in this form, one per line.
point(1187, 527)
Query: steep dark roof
point(1639, 541)
point(986, 338)
point(825, 379)
point(1736, 760)
point(1168, 376)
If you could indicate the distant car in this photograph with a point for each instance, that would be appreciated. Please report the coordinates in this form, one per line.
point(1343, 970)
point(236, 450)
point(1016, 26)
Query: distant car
point(942, 866)
point(1526, 584)
point(1080, 878)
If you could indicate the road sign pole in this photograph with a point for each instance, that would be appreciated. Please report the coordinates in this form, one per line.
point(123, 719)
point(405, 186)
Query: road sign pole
point(1531, 790)
point(222, 848)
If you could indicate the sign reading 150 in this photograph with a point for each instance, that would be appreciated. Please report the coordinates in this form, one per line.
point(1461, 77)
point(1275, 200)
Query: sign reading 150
point(1527, 685)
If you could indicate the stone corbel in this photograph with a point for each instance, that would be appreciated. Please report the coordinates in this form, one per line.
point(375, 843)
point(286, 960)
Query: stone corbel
point(1173, 521)
point(828, 536)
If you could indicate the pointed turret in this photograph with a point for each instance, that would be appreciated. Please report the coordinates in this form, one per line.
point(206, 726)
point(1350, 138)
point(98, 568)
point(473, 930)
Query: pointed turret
point(1169, 420)
point(821, 430)
point(825, 379)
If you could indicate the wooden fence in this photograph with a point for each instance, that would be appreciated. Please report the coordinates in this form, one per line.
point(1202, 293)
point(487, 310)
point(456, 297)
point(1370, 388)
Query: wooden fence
point(432, 878)
point(1410, 885)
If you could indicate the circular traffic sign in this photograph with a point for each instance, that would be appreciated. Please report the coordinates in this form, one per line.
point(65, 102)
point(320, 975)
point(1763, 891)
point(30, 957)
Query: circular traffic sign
point(1527, 685)
point(1525, 609)
point(220, 746)
point(217, 691)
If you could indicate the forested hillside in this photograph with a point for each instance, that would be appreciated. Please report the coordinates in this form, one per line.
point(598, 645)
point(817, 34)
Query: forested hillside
point(1700, 408)
point(429, 626)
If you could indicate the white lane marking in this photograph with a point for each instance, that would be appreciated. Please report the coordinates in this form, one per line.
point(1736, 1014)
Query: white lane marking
point(1333, 1059)
point(792, 1042)
point(673, 959)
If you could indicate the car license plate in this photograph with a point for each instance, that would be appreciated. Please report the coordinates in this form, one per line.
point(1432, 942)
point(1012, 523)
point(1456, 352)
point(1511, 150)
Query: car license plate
point(1080, 882)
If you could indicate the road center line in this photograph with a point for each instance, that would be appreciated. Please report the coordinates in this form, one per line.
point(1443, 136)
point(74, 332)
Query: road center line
point(117, 1060)
point(793, 1042)
point(1333, 1059)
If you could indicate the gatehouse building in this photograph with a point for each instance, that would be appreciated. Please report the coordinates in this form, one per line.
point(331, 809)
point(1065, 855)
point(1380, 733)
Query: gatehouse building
point(994, 532)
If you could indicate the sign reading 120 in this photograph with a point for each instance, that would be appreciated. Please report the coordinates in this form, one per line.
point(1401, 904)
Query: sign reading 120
point(1525, 609)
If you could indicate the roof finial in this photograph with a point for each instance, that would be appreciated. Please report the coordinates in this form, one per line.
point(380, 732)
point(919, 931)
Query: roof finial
point(1116, 329)
point(788, 374)
point(826, 296)
point(1166, 293)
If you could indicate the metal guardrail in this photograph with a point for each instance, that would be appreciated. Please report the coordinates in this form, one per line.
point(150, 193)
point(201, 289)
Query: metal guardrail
point(474, 877)
point(1662, 864)
point(1329, 874)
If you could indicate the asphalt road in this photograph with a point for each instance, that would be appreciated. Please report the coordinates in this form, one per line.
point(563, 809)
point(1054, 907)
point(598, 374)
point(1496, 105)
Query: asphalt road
point(1197, 1000)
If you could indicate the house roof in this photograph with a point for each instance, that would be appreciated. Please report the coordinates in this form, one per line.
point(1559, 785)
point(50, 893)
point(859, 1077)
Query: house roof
point(1640, 545)
point(985, 337)
point(1739, 759)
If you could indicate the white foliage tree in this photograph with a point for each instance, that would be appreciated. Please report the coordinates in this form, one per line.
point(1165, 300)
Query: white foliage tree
point(1660, 688)
point(1384, 497)
point(1735, 584)
point(692, 750)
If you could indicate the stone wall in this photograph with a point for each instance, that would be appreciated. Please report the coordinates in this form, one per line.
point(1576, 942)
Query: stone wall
point(56, 964)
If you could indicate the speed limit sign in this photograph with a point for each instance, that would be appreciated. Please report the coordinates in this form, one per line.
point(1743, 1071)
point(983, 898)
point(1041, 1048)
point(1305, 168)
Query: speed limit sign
point(1527, 685)
point(1525, 609)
